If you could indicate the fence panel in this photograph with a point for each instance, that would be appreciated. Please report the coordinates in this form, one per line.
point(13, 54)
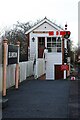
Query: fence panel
point(10, 75)
point(26, 70)
point(22, 70)
point(29, 68)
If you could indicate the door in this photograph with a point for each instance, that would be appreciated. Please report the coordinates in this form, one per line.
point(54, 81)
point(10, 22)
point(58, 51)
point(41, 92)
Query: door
point(41, 46)
point(59, 74)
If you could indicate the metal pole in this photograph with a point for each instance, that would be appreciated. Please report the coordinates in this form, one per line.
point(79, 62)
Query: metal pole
point(62, 50)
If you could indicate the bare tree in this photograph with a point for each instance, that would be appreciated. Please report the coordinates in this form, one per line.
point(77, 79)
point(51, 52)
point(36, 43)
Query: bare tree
point(18, 34)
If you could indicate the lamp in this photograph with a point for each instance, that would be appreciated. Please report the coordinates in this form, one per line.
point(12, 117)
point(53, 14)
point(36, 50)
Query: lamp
point(33, 39)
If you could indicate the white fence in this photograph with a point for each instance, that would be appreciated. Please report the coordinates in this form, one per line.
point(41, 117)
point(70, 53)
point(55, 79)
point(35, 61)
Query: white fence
point(26, 70)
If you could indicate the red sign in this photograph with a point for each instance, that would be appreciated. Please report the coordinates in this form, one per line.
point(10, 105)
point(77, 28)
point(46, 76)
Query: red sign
point(57, 32)
point(62, 33)
point(64, 67)
point(51, 32)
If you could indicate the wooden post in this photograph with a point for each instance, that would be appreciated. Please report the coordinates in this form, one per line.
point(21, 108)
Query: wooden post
point(17, 71)
point(4, 66)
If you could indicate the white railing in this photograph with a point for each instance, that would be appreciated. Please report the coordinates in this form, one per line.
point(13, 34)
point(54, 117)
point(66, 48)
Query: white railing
point(41, 67)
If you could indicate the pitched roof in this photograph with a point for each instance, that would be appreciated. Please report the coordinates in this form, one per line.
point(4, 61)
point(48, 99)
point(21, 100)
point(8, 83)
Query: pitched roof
point(43, 21)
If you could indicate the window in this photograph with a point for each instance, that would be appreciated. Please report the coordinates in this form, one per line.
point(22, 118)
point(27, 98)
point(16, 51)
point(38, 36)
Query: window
point(41, 41)
point(54, 44)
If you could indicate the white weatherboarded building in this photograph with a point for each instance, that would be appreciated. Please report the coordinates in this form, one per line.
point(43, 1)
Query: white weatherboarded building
point(46, 34)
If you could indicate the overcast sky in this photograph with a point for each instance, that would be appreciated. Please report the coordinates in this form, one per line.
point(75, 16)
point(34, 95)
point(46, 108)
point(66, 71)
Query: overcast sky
point(59, 11)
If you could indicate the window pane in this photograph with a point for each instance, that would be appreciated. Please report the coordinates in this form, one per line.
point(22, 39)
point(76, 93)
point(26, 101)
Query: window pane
point(43, 38)
point(58, 49)
point(59, 39)
point(49, 50)
point(53, 44)
point(48, 44)
point(54, 49)
point(53, 39)
point(58, 44)
point(49, 39)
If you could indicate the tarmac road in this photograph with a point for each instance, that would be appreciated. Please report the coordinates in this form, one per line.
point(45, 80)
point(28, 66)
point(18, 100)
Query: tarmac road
point(38, 99)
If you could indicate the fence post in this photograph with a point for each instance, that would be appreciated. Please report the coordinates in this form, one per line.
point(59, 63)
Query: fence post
point(4, 66)
point(17, 71)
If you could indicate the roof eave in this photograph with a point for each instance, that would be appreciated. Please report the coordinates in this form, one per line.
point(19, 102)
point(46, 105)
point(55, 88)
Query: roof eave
point(44, 20)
